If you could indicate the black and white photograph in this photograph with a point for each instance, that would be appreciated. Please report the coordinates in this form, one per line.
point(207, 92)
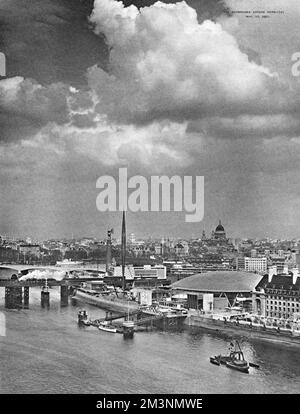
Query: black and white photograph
point(149, 201)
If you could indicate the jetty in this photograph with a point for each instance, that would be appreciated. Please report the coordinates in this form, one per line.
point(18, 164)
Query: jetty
point(141, 320)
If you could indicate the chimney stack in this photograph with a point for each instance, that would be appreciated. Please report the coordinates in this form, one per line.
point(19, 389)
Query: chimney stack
point(272, 272)
point(295, 272)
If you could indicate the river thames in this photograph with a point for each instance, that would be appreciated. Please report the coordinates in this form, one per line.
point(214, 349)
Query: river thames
point(44, 351)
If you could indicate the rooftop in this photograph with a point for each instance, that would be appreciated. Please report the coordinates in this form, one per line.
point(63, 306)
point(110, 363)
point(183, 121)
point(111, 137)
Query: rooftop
point(284, 282)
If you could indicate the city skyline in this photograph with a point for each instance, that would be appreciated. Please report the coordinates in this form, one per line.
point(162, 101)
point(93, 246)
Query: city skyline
point(188, 89)
point(143, 237)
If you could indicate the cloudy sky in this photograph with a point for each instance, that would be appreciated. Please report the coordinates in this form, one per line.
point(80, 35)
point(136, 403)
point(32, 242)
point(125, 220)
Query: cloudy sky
point(187, 88)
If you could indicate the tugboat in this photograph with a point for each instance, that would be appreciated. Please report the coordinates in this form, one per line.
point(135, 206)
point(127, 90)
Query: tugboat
point(235, 360)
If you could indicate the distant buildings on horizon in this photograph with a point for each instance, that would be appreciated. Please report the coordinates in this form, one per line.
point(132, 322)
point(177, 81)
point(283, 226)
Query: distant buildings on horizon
point(207, 252)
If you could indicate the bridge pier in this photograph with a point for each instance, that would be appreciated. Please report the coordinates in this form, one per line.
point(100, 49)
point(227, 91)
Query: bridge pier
point(64, 295)
point(108, 315)
point(13, 297)
point(26, 297)
point(45, 299)
point(8, 298)
point(17, 297)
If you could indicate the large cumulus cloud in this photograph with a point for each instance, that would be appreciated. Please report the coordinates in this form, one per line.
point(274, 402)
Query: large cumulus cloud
point(176, 89)
point(164, 64)
point(166, 67)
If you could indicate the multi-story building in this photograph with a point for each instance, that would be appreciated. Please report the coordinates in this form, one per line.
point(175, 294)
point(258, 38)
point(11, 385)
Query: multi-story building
point(279, 262)
point(140, 249)
point(256, 264)
point(282, 293)
point(140, 272)
point(180, 270)
point(159, 248)
point(240, 263)
point(253, 253)
point(148, 272)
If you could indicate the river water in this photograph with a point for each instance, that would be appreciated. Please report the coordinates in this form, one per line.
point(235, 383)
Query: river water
point(44, 351)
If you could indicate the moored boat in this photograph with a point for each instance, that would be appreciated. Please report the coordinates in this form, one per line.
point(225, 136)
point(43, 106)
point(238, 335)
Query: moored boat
point(105, 326)
point(111, 301)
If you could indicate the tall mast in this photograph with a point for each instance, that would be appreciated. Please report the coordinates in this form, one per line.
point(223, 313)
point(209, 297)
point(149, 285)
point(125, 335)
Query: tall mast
point(123, 248)
point(108, 250)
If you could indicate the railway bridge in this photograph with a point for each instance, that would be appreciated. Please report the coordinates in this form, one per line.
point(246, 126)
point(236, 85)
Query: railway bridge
point(17, 281)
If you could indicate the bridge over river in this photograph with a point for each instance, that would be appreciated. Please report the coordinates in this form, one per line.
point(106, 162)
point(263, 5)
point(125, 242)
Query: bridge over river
point(17, 281)
point(17, 292)
point(50, 282)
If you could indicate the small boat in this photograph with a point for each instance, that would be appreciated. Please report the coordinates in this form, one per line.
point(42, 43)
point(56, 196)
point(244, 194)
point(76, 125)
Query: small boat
point(235, 360)
point(105, 326)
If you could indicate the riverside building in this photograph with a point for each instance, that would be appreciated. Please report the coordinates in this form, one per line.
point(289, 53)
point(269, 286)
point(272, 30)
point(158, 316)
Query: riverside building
point(282, 293)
